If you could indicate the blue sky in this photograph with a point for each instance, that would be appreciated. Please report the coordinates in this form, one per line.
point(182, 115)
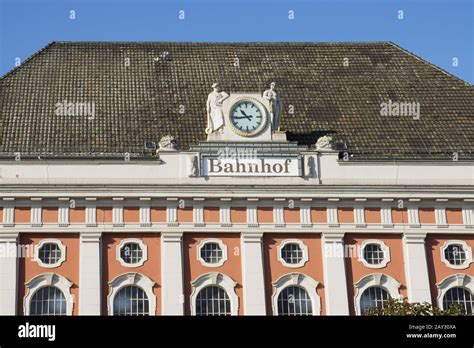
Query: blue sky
point(436, 30)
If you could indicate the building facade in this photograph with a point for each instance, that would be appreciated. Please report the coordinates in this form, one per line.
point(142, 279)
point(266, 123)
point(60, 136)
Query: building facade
point(297, 197)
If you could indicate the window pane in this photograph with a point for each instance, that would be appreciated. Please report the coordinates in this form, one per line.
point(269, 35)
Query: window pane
point(291, 253)
point(131, 253)
point(373, 254)
point(294, 300)
point(212, 300)
point(131, 300)
point(48, 301)
point(49, 253)
point(373, 297)
point(459, 296)
point(455, 254)
point(211, 253)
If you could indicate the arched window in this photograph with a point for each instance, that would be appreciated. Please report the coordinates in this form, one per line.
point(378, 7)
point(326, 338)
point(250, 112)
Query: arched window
point(48, 300)
point(294, 300)
point(373, 290)
point(296, 294)
point(48, 294)
point(214, 294)
point(131, 294)
point(212, 300)
point(373, 297)
point(131, 300)
point(461, 296)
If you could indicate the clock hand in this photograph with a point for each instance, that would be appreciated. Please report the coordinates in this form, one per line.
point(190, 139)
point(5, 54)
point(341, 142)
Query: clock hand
point(245, 115)
point(241, 117)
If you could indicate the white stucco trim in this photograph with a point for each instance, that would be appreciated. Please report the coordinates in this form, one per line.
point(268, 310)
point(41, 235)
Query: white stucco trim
point(384, 281)
point(301, 280)
point(460, 280)
point(48, 279)
point(136, 241)
point(467, 249)
point(217, 279)
point(221, 245)
point(136, 279)
point(61, 246)
point(383, 246)
point(303, 247)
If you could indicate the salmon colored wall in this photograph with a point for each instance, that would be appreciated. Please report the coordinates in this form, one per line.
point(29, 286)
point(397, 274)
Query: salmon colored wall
point(265, 215)
point(274, 268)
point(22, 215)
point(193, 268)
point(291, 216)
point(238, 215)
point(372, 216)
point(185, 214)
point(212, 215)
point(345, 215)
point(131, 214)
point(49, 215)
point(1, 214)
point(355, 269)
point(437, 269)
point(104, 215)
point(454, 216)
point(399, 216)
point(318, 215)
point(112, 268)
point(426, 215)
point(77, 215)
point(158, 214)
point(28, 268)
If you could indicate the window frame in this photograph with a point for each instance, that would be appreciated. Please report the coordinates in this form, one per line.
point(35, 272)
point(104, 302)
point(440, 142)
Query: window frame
point(458, 280)
point(217, 279)
point(304, 250)
point(382, 245)
point(384, 281)
point(467, 249)
point(140, 243)
point(303, 281)
point(62, 249)
point(131, 278)
point(44, 280)
point(221, 244)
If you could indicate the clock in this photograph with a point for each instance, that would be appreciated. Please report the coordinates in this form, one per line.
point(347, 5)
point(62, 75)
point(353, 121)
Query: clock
point(247, 117)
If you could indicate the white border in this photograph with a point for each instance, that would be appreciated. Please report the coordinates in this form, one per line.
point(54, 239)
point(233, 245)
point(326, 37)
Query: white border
point(384, 281)
point(216, 279)
point(383, 246)
point(303, 248)
point(301, 280)
point(221, 245)
point(61, 246)
point(262, 109)
point(467, 250)
point(136, 279)
point(136, 241)
point(459, 280)
point(48, 279)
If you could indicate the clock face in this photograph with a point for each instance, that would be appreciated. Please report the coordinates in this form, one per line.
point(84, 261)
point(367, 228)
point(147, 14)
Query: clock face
point(246, 117)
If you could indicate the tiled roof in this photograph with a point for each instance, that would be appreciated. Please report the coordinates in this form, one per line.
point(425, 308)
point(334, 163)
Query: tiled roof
point(143, 91)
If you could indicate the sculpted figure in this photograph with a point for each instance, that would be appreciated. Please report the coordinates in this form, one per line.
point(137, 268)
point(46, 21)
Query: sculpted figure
point(215, 116)
point(276, 105)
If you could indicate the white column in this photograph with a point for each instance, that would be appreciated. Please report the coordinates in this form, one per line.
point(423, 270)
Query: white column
point(90, 266)
point(224, 213)
point(145, 212)
point(172, 289)
point(91, 212)
point(253, 273)
point(416, 267)
point(36, 212)
point(331, 211)
point(8, 273)
point(334, 267)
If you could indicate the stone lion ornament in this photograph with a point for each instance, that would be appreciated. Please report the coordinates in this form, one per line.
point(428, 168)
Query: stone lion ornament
point(168, 143)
